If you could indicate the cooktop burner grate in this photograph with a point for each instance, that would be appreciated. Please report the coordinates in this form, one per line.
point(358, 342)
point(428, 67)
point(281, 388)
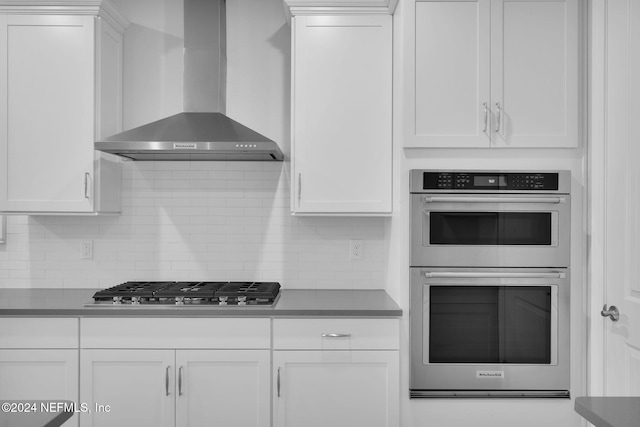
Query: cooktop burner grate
point(189, 290)
point(189, 293)
point(131, 289)
point(249, 289)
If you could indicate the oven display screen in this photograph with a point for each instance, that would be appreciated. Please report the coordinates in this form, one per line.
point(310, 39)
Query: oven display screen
point(489, 181)
point(499, 181)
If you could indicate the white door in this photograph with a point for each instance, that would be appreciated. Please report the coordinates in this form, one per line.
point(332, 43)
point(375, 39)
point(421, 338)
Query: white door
point(535, 77)
point(137, 385)
point(230, 388)
point(449, 88)
point(335, 388)
point(615, 194)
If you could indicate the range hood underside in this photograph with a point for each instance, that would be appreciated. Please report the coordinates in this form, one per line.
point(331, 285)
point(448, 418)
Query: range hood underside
point(192, 136)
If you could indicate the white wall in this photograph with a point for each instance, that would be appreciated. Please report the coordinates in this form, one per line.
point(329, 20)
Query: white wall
point(200, 220)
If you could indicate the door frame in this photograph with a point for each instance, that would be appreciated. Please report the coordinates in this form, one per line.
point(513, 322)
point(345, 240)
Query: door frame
point(596, 193)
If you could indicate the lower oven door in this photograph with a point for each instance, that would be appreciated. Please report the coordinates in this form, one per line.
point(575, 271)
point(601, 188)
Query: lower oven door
point(490, 230)
point(489, 332)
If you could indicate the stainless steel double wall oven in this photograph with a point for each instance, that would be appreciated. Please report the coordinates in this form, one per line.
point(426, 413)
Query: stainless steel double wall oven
point(490, 283)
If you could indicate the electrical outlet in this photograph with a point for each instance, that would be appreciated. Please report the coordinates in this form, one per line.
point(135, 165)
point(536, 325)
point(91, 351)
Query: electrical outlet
point(86, 249)
point(355, 249)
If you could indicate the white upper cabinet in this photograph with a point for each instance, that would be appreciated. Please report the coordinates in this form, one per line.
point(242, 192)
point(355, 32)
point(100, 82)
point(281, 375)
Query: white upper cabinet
point(61, 77)
point(322, 7)
point(342, 114)
point(452, 69)
point(493, 73)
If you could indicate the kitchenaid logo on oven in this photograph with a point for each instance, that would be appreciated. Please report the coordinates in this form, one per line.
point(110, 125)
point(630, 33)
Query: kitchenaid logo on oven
point(489, 374)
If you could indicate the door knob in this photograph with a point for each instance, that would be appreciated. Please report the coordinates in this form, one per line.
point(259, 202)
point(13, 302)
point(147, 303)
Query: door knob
point(611, 313)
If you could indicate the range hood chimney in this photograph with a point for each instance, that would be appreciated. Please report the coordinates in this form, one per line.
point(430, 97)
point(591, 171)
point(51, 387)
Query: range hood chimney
point(203, 131)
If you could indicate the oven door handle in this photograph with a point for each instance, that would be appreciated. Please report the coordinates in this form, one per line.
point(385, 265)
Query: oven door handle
point(496, 275)
point(453, 199)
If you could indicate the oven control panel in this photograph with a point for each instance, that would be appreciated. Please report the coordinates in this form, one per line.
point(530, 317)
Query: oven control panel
point(510, 181)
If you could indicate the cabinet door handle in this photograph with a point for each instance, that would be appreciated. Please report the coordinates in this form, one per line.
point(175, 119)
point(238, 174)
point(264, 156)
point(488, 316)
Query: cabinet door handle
point(299, 187)
point(166, 380)
point(499, 117)
point(87, 176)
point(336, 335)
point(278, 382)
point(486, 117)
point(180, 381)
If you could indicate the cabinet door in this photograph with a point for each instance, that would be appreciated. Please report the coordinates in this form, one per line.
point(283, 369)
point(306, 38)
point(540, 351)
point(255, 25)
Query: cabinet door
point(336, 388)
point(47, 113)
point(342, 100)
point(50, 374)
point(535, 72)
point(138, 385)
point(448, 88)
point(228, 388)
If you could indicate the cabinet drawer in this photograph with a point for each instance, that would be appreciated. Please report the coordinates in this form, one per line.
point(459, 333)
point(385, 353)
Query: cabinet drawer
point(21, 332)
point(175, 333)
point(336, 334)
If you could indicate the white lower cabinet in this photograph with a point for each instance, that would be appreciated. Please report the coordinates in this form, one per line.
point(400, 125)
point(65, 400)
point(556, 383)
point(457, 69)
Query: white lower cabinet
point(344, 372)
point(336, 388)
point(176, 387)
point(39, 360)
point(223, 388)
point(151, 373)
point(133, 387)
point(239, 372)
point(39, 374)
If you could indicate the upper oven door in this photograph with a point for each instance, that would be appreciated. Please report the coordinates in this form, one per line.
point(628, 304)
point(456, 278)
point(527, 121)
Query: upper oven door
point(490, 230)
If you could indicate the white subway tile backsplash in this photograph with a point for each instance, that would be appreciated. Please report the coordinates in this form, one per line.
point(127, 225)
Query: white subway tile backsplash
point(196, 221)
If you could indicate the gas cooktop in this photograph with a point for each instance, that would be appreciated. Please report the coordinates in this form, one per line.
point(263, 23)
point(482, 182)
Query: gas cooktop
point(208, 294)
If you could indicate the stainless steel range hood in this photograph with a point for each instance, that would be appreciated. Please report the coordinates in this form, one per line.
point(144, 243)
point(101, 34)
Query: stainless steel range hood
point(192, 136)
point(203, 132)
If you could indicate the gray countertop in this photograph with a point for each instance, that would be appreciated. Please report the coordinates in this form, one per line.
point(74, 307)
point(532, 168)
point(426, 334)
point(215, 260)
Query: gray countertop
point(291, 303)
point(610, 411)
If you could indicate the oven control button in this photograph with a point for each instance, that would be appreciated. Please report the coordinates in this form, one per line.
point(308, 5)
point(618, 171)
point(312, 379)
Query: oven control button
point(445, 180)
point(462, 181)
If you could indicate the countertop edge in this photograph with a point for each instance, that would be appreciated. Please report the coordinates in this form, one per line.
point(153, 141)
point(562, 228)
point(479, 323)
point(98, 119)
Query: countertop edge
point(33, 302)
point(185, 313)
point(583, 409)
point(609, 411)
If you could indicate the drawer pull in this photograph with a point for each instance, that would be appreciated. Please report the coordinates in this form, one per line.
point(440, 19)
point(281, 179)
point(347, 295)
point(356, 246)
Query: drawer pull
point(336, 335)
point(166, 381)
point(278, 382)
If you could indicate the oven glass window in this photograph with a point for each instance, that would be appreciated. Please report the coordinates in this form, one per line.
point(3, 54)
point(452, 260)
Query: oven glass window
point(490, 228)
point(490, 324)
